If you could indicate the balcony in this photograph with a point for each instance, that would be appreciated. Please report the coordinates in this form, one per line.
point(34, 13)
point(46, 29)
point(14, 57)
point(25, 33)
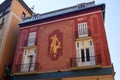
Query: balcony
point(80, 63)
point(28, 68)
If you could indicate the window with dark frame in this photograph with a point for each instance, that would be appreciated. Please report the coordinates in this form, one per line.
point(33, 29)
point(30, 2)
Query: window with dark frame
point(23, 15)
point(87, 54)
point(82, 55)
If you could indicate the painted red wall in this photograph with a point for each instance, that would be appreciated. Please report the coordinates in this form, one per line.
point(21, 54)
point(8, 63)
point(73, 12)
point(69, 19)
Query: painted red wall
point(67, 33)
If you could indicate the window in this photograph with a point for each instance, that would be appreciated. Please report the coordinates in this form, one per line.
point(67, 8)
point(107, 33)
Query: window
point(7, 9)
point(81, 6)
point(31, 38)
point(23, 15)
point(90, 43)
point(2, 23)
point(77, 45)
point(28, 60)
point(1, 13)
point(82, 29)
point(82, 55)
point(35, 51)
point(25, 52)
point(85, 55)
point(85, 52)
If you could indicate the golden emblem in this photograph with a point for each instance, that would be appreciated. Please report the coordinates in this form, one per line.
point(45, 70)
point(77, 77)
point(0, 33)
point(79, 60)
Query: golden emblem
point(55, 44)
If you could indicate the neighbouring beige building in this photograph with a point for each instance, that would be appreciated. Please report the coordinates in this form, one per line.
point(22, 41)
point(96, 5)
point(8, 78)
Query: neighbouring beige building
point(11, 14)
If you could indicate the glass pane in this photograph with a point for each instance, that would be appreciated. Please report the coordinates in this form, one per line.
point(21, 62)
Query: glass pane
point(82, 55)
point(77, 45)
point(90, 43)
point(82, 29)
point(87, 54)
point(31, 39)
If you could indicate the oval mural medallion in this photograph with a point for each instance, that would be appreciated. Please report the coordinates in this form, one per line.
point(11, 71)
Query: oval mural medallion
point(55, 45)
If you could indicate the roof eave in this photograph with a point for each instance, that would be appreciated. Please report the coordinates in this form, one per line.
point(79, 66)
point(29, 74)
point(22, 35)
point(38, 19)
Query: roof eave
point(100, 5)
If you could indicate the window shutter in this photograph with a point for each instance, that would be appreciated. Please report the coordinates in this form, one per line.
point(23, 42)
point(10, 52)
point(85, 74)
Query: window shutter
point(31, 38)
point(82, 29)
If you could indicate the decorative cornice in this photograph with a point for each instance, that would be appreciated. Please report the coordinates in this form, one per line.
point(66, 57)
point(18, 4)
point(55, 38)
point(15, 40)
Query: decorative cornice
point(5, 4)
point(25, 6)
point(65, 11)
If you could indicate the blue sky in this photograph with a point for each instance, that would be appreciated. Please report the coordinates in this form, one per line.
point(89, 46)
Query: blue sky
point(112, 16)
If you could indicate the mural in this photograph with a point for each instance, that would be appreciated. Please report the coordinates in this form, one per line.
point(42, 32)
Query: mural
point(55, 45)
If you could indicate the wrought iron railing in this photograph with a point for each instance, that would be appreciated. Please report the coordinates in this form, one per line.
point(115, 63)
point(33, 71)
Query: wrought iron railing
point(85, 61)
point(27, 67)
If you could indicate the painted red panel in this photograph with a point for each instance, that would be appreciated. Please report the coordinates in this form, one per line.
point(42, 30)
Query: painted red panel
point(65, 33)
point(23, 39)
point(55, 45)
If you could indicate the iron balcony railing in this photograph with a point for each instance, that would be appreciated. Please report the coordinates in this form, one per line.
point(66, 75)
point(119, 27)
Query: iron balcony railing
point(85, 61)
point(28, 67)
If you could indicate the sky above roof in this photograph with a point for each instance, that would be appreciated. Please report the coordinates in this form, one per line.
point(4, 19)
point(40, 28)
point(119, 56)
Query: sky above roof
point(111, 21)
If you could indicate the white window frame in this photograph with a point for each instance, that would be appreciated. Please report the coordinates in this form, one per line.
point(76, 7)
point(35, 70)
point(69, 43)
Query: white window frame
point(83, 45)
point(31, 38)
point(27, 60)
point(82, 29)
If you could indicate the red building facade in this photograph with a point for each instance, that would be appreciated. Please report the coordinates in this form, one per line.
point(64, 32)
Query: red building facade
point(69, 39)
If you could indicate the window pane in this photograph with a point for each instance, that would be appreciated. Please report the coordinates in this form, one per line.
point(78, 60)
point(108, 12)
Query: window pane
point(90, 43)
point(23, 15)
point(82, 29)
point(31, 39)
point(87, 54)
point(77, 45)
point(82, 55)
